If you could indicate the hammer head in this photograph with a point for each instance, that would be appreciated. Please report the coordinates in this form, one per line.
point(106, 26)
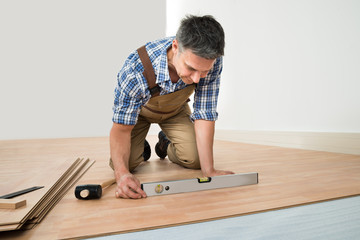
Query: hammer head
point(89, 191)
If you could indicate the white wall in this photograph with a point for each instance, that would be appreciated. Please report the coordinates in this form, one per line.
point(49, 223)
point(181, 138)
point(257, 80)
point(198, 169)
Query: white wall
point(59, 61)
point(290, 65)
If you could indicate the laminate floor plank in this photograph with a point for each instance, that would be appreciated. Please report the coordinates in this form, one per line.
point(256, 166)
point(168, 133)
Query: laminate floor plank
point(25, 164)
point(287, 177)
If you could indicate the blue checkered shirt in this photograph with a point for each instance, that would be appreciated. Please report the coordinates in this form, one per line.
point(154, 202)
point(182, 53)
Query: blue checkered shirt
point(132, 90)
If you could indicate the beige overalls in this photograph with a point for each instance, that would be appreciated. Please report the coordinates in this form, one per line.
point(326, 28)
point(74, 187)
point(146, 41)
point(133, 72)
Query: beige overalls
point(172, 113)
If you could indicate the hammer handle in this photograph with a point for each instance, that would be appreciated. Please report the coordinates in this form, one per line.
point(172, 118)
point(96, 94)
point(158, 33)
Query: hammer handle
point(108, 183)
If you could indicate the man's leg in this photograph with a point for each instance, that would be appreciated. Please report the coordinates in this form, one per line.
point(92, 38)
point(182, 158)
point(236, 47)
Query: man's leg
point(180, 131)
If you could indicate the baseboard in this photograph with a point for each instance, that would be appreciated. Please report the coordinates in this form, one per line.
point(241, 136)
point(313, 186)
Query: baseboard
point(331, 142)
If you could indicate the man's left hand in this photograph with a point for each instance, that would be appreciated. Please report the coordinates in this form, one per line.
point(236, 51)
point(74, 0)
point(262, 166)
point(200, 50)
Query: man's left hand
point(215, 172)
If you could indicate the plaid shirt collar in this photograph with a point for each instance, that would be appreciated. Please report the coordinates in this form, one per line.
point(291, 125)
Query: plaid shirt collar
point(161, 70)
point(161, 66)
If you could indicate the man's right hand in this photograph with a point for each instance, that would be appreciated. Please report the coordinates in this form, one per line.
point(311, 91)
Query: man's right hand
point(128, 186)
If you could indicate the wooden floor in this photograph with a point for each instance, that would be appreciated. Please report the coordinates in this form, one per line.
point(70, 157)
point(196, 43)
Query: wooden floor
point(287, 177)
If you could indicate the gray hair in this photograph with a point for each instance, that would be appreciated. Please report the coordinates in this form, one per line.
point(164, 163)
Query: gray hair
point(204, 36)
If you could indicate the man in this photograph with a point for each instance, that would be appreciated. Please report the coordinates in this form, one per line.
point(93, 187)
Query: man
point(153, 87)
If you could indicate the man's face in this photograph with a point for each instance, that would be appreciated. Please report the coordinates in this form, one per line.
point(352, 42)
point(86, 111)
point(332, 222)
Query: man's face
point(189, 66)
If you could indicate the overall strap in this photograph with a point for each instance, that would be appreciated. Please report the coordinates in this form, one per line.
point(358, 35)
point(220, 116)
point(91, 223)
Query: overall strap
point(149, 73)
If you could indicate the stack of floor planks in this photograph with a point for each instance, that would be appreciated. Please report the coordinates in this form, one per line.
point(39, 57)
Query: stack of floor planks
point(56, 179)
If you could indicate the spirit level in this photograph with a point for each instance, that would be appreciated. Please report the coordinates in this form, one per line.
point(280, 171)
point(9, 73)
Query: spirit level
point(199, 184)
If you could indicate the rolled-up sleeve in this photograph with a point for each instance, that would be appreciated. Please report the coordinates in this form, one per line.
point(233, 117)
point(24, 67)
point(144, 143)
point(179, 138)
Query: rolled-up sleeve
point(206, 94)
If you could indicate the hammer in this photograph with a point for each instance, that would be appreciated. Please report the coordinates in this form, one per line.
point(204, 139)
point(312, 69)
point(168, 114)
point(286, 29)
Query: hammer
point(91, 191)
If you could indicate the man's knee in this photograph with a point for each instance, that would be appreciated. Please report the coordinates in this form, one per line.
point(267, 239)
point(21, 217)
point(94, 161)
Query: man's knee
point(186, 156)
point(193, 163)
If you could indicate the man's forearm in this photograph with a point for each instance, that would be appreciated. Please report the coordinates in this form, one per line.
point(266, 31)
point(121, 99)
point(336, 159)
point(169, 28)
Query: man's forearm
point(120, 144)
point(128, 186)
point(204, 131)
